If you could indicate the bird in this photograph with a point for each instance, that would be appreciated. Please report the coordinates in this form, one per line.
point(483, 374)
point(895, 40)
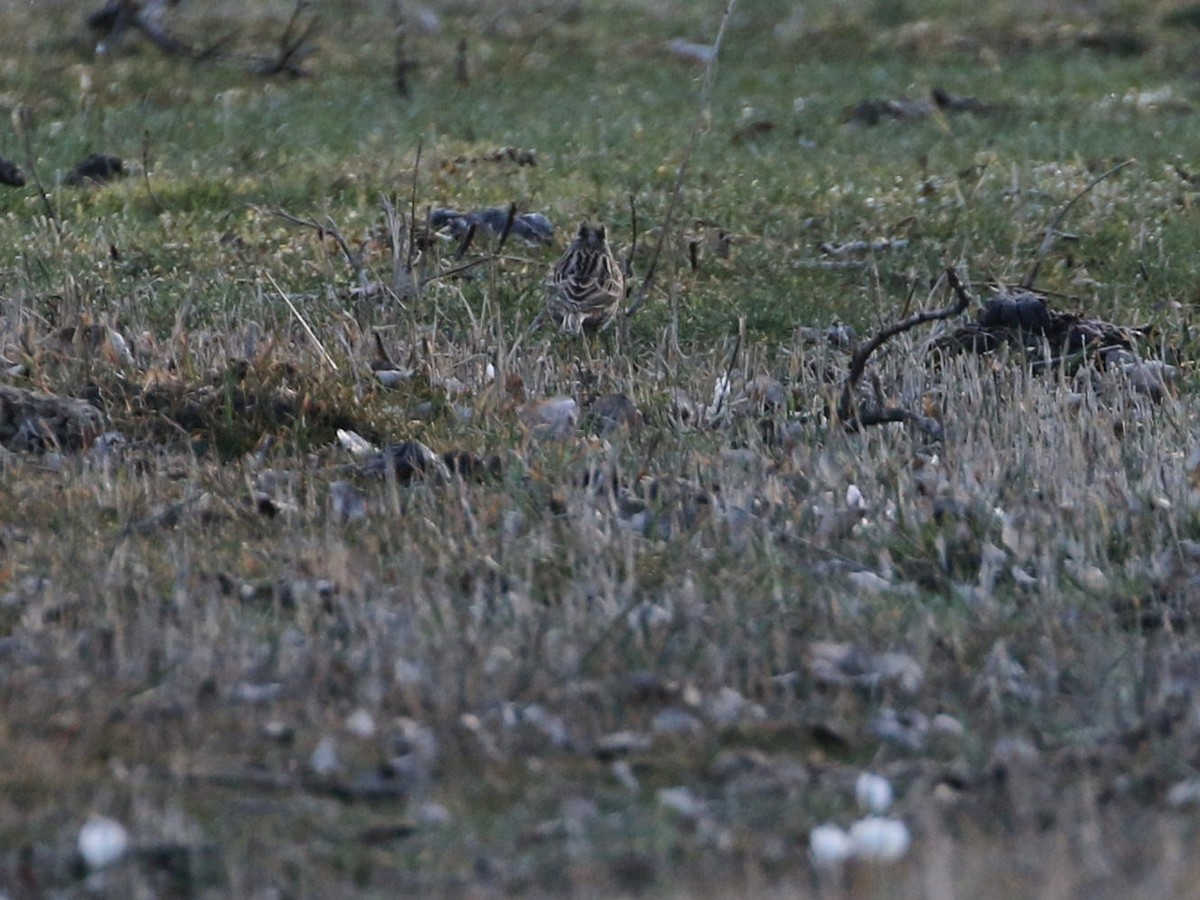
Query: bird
point(585, 290)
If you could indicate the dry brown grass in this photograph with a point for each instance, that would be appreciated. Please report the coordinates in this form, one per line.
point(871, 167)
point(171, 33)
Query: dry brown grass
point(647, 658)
point(173, 651)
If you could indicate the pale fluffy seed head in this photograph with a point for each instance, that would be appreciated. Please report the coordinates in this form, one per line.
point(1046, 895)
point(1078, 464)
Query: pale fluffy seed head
point(879, 840)
point(828, 846)
point(873, 792)
point(102, 841)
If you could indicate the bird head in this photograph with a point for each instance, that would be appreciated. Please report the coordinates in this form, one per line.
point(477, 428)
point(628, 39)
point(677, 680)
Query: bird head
point(591, 238)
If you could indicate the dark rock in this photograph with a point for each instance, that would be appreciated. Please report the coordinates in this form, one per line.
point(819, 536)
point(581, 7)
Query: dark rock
point(10, 174)
point(97, 168)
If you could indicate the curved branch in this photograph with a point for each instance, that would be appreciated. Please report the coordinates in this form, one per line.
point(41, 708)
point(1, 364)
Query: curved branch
point(847, 410)
point(1052, 229)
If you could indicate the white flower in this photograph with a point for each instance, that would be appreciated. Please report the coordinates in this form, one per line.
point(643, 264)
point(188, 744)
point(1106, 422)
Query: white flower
point(102, 841)
point(879, 840)
point(828, 846)
point(873, 792)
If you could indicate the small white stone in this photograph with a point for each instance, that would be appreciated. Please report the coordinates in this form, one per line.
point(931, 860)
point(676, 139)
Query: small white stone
point(946, 724)
point(120, 347)
point(1092, 578)
point(354, 442)
point(431, 814)
point(324, 760)
point(248, 692)
point(102, 841)
point(623, 772)
point(868, 582)
point(675, 721)
point(828, 846)
point(691, 51)
point(554, 417)
point(879, 840)
point(854, 498)
point(873, 792)
point(680, 800)
point(407, 674)
point(361, 724)
point(1184, 793)
point(391, 378)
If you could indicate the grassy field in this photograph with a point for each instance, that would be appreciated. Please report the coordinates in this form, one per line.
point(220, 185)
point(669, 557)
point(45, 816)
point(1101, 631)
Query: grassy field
point(610, 654)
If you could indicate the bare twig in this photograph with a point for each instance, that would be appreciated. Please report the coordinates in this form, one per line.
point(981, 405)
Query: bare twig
point(293, 46)
point(404, 64)
point(412, 208)
point(24, 122)
point(312, 335)
point(381, 351)
point(1052, 229)
point(465, 243)
point(633, 228)
point(847, 410)
point(462, 71)
point(508, 224)
point(473, 264)
point(427, 234)
point(702, 116)
point(354, 260)
point(288, 217)
point(146, 171)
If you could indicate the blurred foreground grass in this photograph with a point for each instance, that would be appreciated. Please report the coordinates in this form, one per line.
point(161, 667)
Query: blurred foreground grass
point(642, 659)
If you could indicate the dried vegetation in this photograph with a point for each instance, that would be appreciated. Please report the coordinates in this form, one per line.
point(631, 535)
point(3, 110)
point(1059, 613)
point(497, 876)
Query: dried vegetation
point(324, 572)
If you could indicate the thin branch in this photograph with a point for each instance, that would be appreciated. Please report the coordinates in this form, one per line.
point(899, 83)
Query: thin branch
point(702, 116)
point(146, 171)
point(508, 224)
point(633, 227)
point(312, 335)
point(353, 259)
point(404, 64)
point(287, 216)
point(427, 234)
point(293, 47)
point(1052, 228)
point(412, 207)
point(465, 243)
point(473, 264)
point(25, 125)
point(846, 411)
